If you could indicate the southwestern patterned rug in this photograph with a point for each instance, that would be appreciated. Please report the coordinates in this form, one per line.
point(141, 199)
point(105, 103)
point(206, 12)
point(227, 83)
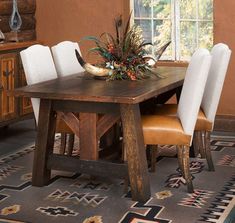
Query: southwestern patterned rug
point(72, 197)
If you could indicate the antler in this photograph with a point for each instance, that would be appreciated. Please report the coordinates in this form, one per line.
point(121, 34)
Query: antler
point(96, 71)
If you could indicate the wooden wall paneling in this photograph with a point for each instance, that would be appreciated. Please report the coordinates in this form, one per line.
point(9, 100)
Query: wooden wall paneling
point(27, 9)
point(28, 22)
point(24, 6)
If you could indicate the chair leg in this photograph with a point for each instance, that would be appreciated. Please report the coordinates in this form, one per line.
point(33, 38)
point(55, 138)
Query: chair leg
point(63, 143)
point(203, 145)
point(70, 144)
point(153, 155)
point(180, 159)
point(126, 185)
point(183, 156)
point(207, 137)
point(123, 153)
point(197, 143)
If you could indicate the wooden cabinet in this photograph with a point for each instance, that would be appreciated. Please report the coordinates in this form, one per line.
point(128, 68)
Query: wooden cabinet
point(25, 103)
point(8, 82)
point(12, 76)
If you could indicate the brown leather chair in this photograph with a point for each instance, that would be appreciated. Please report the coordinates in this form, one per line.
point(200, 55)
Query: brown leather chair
point(178, 130)
point(205, 121)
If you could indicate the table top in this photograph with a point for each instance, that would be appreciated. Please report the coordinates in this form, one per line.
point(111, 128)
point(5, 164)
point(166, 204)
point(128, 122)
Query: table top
point(81, 87)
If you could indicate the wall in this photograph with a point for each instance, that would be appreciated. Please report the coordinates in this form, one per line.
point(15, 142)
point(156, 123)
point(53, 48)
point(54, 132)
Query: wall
point(74, 19)
point(224, 30)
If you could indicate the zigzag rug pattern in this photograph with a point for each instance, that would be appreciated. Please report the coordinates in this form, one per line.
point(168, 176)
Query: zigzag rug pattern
point(224, 203)
point(72, 197)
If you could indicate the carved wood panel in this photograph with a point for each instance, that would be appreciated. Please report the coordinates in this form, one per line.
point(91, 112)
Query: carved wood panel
point(25, 103)
point(8, 82)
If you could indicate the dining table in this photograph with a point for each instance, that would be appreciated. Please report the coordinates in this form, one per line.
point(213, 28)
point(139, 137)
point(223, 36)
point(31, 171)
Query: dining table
point(82, 93)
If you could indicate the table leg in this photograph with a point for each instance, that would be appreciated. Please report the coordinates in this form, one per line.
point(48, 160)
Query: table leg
point(44, 144)
point(135, 152)
point(88, 136)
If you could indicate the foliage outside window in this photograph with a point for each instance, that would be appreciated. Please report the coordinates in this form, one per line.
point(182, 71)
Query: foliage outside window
point(187, 23)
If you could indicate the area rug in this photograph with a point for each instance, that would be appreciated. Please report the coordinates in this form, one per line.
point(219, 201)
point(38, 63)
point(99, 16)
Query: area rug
point(77, 198)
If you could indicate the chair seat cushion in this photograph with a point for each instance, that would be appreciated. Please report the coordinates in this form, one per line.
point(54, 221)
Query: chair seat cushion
point(164, 130)
point(202, 124)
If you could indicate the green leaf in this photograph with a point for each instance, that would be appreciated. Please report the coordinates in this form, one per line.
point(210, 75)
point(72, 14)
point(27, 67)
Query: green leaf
point(97, 41)
point(93, 38)
point(108, 37)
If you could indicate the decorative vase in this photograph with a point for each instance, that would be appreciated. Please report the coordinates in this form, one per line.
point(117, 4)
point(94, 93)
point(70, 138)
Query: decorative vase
point(15, 22)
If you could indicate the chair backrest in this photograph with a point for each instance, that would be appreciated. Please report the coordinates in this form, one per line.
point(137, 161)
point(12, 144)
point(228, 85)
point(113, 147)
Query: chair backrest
point(38, 66)
point(65, 58)
point(193, 88)
point(220, 59)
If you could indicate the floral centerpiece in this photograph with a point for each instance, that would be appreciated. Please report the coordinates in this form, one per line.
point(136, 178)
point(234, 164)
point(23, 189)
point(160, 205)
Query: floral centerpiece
point(124, 57)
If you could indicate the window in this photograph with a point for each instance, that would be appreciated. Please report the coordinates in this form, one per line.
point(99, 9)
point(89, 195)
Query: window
point(187, 23)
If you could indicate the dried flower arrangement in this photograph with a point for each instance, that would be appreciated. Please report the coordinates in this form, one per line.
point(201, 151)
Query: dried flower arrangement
point(124, 56)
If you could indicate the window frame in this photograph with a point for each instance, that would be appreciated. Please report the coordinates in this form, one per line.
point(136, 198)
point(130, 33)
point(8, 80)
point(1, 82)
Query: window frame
point(175, 29)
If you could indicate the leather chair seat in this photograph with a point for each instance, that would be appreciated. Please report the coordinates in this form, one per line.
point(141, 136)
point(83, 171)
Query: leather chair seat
point(164, 130)
point(202, 124)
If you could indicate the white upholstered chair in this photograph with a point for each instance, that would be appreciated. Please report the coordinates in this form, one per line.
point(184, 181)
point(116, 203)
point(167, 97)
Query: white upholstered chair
point(220, 59)
point(65, 59)
point(178, 130)
point(66, 63)
point(38, 67)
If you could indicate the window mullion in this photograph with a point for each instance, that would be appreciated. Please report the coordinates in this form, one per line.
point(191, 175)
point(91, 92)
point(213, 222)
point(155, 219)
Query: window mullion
point(173, 54)
point(152, 27)
point(177, 28)
point(197, 22)
point(132, 19)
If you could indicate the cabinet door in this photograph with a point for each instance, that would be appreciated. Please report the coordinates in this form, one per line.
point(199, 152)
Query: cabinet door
point(8, 67)
point(25, 103)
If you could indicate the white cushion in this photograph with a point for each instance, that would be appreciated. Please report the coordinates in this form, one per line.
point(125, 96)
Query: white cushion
point(65, 58)
point(220, 59)
point(38, 66)
point(193, 88)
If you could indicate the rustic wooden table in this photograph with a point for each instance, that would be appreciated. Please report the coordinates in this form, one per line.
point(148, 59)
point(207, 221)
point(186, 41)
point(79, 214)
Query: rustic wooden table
point(84, 94)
